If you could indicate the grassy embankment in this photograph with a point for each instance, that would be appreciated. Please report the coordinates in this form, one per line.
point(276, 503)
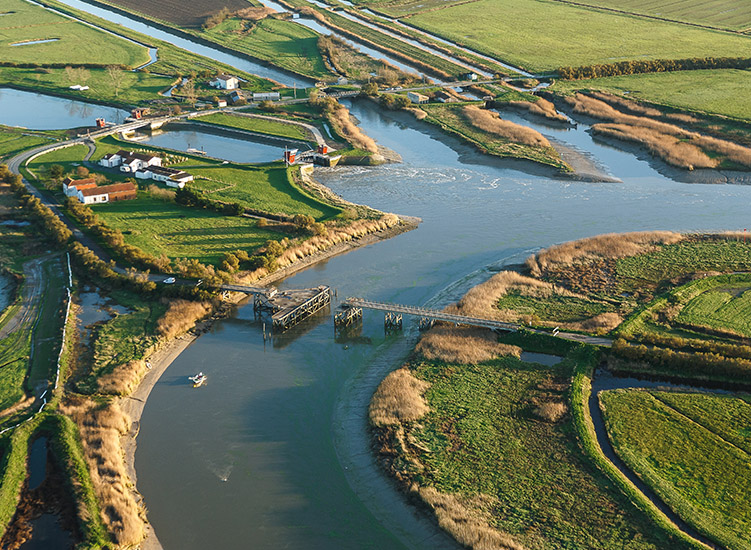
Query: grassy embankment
point(258, 125)
point(543, 35)
point(493, 135)
point(493, 450)
point(693, 450)
point(15, 140)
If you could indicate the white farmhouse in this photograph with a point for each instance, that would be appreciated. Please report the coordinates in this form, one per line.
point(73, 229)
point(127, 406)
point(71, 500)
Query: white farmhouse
point(111, 160)
point(134, 162)
point(225, 82)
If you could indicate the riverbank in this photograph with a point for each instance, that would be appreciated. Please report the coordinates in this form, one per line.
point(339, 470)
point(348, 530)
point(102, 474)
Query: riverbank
point(134, 404)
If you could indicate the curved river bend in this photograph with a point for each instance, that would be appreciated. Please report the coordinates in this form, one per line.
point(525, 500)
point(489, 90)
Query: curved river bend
point(273, 452)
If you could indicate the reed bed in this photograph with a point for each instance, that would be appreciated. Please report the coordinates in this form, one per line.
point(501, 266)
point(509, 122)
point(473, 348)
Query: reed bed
point(491, 122)
point(541, 107)
point(464, 525)
point(399, 398)
point(551, 411)
point(631, 106)
point(464, 345)
point(180, 316)
point(340, 118)
point(599, 324)
point(100, 427)
point(254, 13)
point(608, 246)
point(123, 379)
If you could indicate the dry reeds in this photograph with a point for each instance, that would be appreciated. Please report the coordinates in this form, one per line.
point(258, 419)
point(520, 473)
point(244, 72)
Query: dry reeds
point(490, 122)
point(541, 107)
point(123, 379)
point(463, 345)
point(254, 14)
point(180, 316)
point(100, 427)
point(631, 106)
point(419, 113)
point(161, 193)
point(463, 523)
point(669, 148)
point(600, 324)
point(610, 245)
point(339, 117)
point(398, 399)
point(550, 411)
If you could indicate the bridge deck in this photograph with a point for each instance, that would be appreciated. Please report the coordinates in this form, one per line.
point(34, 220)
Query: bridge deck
point(432, 314)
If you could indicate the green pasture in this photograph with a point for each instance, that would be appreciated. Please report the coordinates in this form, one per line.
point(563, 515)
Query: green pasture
point(481, 440)
point(77, 43)
point(703, 477)
point(723, 308)
point(136, 88)
point(725, 14)
point(258, 125)
point(542, 35)
point(160, 227)
point(284, 43)
point(556, 307)
point(15, 140)
point(719, 91)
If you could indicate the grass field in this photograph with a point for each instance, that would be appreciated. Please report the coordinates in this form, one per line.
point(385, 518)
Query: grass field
point(67, 158)
point(721, 91)
point(188, 14)
point(556, 307)
point(542, 35)
point(258, 125)
point(482, 441)
point(76, 43)
point(725, 14)
point(284, 43)
point(727, 308)
point(160, 227)
point(684, 457)
point(15, 140)
point(137, 87)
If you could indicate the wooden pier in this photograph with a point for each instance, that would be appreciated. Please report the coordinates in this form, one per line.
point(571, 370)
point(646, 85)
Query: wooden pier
point(290, 307)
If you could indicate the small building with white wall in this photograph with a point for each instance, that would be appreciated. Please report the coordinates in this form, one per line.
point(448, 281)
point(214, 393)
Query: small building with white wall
point(414, 97)
point(266, 96)
point(225, 82)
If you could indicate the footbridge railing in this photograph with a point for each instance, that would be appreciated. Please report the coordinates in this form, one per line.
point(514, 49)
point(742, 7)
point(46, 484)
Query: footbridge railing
point(431, 314)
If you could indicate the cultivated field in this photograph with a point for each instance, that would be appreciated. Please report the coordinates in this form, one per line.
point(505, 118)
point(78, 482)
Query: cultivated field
point(728, 308)
point(719, 91)
point(179, 12)
point(693, 450)
point(542, 35)
point(494, 453)
point(725, 14)
point(75, 42)
point(159, 227)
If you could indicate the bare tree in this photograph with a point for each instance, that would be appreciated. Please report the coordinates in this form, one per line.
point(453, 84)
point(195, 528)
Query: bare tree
point(117, 76)
point(189, 91)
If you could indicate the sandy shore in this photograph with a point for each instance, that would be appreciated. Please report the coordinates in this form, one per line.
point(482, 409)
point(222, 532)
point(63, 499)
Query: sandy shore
point(134, 404)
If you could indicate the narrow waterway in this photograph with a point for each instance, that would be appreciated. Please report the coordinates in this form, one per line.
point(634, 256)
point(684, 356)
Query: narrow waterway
point(273, 451)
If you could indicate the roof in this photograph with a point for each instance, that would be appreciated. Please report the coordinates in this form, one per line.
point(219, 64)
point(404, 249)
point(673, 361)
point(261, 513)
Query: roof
point(226, 77)
point(164, 170)
point(78, 183)
point(107, 189)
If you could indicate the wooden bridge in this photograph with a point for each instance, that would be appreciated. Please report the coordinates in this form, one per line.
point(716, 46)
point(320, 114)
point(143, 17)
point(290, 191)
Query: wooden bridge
point(426, 315)
point(287, 307)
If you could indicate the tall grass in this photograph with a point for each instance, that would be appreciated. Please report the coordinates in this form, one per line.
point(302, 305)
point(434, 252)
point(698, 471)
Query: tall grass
point(100, 427)
point(490, 122)
point(340, 118)
point(180, 316)
point(398, 399)
point(609, 245)
point(542, 107)
point(463, 345)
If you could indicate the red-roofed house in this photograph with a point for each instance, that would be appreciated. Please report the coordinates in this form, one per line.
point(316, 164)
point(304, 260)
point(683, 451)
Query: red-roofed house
point(107, 193)
point(71, 186)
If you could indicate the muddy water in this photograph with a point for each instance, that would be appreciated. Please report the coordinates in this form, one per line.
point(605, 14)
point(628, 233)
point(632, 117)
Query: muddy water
point(273, 451)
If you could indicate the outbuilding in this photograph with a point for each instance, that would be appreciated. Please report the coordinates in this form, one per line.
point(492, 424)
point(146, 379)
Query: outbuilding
point(225, 82)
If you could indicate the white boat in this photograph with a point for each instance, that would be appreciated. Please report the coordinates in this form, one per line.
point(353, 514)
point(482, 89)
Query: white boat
point(198, 379)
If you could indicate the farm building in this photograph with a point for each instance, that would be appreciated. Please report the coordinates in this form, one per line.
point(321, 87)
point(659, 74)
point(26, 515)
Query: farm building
point(132, 162)
point(236, 97)
point(266, 96)
point(172, 177)
point(443, 97)
point(221, 103)
point(414, 97)
point(71, 186)
point(107, 193)
point(225, 82)
point(111, 160)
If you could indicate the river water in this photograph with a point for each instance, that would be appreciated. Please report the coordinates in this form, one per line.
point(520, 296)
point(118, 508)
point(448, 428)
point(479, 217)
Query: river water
point(273, 451)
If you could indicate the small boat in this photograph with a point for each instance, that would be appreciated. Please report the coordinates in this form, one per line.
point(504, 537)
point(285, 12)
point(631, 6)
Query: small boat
point(198, 379)
point(196, 151)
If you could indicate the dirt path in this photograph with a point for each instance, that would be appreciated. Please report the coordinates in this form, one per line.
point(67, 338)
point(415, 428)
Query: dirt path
point(32, 291)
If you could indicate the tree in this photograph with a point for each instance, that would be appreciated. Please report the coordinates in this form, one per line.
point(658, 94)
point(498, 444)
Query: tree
point(56, 171)
point(117, 76)
point(189, 91)
point(371, 89)
point(82, 171)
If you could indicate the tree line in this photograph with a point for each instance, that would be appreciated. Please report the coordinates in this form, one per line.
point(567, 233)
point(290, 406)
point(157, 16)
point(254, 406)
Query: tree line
point(652, 66)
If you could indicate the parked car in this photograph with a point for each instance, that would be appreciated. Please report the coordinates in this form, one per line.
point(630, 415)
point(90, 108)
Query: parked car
point(169, 281)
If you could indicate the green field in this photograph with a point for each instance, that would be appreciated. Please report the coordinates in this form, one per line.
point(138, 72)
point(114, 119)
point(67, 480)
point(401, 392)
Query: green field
point(284, 43)
point(67, 157)
point(15, 140)
point(725, 308)
point(77, 43)
point(725, 14)
point(719, 91)
point(482, 441)
point(556, 307)
point(542, 35)
point(258, 125)
point(137, 87)
point(160, 227)
point(677, 445)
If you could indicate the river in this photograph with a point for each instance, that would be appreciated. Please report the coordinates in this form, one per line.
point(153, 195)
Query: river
point(273, 451)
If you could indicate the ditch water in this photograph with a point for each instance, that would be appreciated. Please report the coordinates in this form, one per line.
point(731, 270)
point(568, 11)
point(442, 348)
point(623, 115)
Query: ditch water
point(40, 111)
point(6, 289)
point(95, 308)
point(281, 426)
point(47, 533)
